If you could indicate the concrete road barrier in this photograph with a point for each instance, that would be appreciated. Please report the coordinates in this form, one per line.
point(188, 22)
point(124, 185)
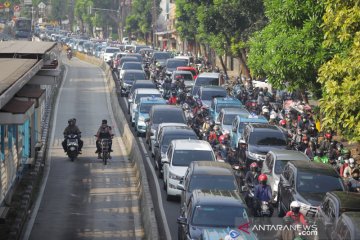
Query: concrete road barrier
point(146, 204)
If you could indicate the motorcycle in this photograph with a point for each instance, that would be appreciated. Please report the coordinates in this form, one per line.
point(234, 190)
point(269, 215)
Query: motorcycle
point(72, 146)
point(69, 54)
point(239, 172)
point(105, 154)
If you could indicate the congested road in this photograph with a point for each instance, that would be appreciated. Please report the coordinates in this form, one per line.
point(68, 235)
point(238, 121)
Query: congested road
point(85, 199)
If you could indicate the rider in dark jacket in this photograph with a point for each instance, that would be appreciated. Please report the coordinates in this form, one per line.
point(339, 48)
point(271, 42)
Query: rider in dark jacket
point(104, 132)
point(72, 129)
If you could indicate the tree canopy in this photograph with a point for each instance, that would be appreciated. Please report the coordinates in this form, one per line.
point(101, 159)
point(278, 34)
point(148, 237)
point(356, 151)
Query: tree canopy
point(288, 51)
point(340, 76)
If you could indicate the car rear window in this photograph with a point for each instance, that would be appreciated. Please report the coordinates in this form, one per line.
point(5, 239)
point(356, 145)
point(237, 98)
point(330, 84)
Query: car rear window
point(134, 76)
point(311, 182)
point(209, 182)
point(209, 95)
point(176, 63)
point(138, 96)
point(184, 157)
point(202, 81)
point(267, 138)
point(112, 50)
point(166, 116)
point(130, 65)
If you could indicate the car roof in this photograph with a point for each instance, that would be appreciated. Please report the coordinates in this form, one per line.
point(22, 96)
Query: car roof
point(251, 119)
point(261, 127)
point(179, 130)
point(155, 100)
point(227, 100)
point(209, 74)
point(217, 197)
point(191, 144)
point(147, 91)
point(211, 168)
point(349, 201)
point(144, 82)
point(282, 154)
point(181, 72)
point(138, 63)
point(176, 60)
point(186, 67)
point(161, 125)
point(314, 167)
point(166, 108)
point(212, 88)
point(133, 71)
point(235, 110)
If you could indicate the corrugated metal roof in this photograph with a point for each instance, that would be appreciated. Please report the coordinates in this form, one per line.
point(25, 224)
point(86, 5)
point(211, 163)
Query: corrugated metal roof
point(17, 106)
point(12, 69)
point(25, 47)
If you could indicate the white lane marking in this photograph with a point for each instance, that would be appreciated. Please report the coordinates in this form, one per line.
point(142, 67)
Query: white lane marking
point(160, 202)
point(47, 166)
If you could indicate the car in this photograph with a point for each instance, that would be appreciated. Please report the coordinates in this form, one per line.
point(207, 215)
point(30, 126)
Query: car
point(177, 159)
point(205, 79)
point(139, 84)
point(138, 56)
point(127, 64)
point(332, 207)
point(207, 93)
point(134, 101)
point(274, 165)
point(182, 75)
point(238, 126)
point(347, 227)
point(193, 70)
point(142, 112)
point(227, 116)
point(215, 211)
point(258, 139)
point(125, 59)
point(189, 59)
point(162, 114)
point(161, 127)
point(165, 137)
point(219, 103)
point(307, 183)
point(128, 80)
point(160, 57)
point(116, 59)
point(172, 64)
point(207, 175)
point(109, 52)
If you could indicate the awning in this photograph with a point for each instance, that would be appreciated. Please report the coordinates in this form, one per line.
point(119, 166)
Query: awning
point(31, 93)
point(165, 32)
point(16, 112)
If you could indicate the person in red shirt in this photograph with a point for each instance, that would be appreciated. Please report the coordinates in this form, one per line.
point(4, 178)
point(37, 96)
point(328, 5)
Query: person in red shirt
point(173, 100)
point(295, 213)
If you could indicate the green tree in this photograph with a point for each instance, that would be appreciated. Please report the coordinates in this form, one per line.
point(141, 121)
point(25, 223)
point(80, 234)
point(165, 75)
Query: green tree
point(288, 51)
point(340, 76)
point(186, 21)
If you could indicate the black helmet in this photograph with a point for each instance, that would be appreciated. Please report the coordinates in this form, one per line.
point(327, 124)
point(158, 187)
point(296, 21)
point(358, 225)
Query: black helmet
point(104, 121)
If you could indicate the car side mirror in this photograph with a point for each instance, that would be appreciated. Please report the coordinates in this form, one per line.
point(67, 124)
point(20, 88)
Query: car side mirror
point(182, 220)
point(180, 187)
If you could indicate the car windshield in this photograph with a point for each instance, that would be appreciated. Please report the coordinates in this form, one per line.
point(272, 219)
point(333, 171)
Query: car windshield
point(229, 118)
point(201, 81)
point(161, 55)
point(112, 50)
point(314, 182)
point(168, 138)
point(145, 107)
point(134, 76)
point(130, 65)
point(209, 95)
point(209, 182)
point(138, 96)
point(220, 106)
point(219, 216)
point(172, 117)
point(185, 157)
point(267, 138)
point(175, 64)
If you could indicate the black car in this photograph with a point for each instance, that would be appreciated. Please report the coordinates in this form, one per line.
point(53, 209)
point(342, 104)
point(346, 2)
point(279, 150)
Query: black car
point(207, 93)
point(307, 183)
point(258, 139)
point(160, 57)
point(128, 80)
point(215, 210)
point(162, 114)
point(347, 227)
point(166, 136)
point(207, 175)
point(331, 208)
point(173, 63)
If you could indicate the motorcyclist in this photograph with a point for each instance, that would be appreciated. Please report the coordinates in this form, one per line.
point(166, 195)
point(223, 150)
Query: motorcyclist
point(354, 183)
point(310, 150)
point(325, 144)
point(260, 99)
point(213, 136)
point(172, 100)
point(190, 100)
point(251, 177)
point(350, 169)
point(320, 157)
point(104, 132)
point(262, 193)
point(72, 129)
point(295, 213)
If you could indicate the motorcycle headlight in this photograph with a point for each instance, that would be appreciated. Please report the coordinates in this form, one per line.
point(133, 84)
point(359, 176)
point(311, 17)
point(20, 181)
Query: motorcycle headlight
point(72, 148)
point(174, 176)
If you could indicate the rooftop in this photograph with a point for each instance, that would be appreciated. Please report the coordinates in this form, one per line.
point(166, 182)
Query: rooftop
point(23, 47)
point(191, 144)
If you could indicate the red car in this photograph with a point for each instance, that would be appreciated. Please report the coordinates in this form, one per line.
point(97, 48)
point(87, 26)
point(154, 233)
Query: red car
point(193, 70)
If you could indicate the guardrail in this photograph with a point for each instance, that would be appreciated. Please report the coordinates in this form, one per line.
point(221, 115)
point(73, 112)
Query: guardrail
point(146, 204)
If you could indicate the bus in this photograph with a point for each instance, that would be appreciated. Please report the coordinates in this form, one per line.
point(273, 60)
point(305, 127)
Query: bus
point(21, 28)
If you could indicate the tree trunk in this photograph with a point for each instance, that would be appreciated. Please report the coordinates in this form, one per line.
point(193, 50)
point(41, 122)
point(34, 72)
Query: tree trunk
point(223, 64)
point(245, 69)
point(304, 96)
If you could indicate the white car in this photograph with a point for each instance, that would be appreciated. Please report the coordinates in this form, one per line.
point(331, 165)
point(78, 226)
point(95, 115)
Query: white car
point(139, 93)
point(274, 164)
point(178, 157)
point(159, 129)
point(109, 52)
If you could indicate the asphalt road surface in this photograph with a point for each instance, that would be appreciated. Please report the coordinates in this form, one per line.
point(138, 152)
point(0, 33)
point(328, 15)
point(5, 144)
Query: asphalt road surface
point(85, 199)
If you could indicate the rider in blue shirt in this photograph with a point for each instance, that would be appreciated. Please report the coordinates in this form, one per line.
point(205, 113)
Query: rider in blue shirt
point(262, 192)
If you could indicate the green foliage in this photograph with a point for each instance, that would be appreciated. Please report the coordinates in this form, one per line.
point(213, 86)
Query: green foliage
point(288, 51)
point(187, 23)
point(340, 76)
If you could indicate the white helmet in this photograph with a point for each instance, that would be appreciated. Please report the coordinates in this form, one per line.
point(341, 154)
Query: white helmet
point(295, 204)
point(265, 110)
point(351, 162)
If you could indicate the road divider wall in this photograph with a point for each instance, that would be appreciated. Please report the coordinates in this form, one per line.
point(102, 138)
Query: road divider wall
point(135, 156)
